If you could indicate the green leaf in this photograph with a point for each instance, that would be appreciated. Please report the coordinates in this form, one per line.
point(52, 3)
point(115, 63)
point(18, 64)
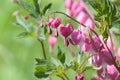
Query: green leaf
point(29, 7)
point(25, 25)
point(46, 8)
point(37, 7)
point(61, 56)
point(40, 72)
point(22, 35)
point(44, 62)
point(44, 68)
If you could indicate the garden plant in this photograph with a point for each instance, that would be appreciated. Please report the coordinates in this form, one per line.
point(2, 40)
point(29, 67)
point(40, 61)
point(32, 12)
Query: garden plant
point(85, 28)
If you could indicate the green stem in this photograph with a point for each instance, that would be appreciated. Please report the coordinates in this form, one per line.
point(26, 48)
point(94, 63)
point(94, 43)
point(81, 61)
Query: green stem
point(43, 48)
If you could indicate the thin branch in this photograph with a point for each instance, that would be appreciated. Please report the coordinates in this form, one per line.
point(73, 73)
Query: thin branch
point(43, 48)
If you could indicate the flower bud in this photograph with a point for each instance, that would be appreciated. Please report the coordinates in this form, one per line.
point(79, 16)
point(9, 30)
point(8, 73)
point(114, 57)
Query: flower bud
point(49, 21)
point(52, 41)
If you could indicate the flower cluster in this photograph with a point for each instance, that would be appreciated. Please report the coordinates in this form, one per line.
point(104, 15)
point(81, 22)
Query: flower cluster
point(97, 47)
point(87, 43)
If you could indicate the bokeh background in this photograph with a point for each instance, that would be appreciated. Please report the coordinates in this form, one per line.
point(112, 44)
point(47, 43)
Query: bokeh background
point(17, 56)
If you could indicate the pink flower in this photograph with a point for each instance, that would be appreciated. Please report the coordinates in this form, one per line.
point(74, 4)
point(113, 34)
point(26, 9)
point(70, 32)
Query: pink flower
point(118, 77)
point(56, 22)
point(82, 17)
point(110, 73)
point(96, 44)
point(65, 30)
point(105, 56)
point(86, 47)
point(68, 4)
point(76, 37)
point(52, 41)
point(73, 9)
point(96, 60)
point(89, 23)
point(102, 74)
point(49, 21)
point(79, 77)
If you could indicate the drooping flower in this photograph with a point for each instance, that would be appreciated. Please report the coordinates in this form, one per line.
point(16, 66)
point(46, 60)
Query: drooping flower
point(56, 22)
point(49, 22)
point(79, 77)
point(76, 37)
point(65, 30)
point(68, 4)
point(111, 72)
point(52, 41)
point(89, 23)
point(82, 17)
point(108, 73)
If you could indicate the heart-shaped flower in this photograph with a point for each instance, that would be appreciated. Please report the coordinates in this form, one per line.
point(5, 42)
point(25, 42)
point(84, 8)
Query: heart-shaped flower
point(65, 30)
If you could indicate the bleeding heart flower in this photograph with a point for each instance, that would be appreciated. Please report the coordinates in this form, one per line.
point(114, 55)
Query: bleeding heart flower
point(82, 17)
point(96, 44)
point(52, 41)
point(111, 72)
point(86, 47)
point(49, 22)
point(89, 23)
point(68, 4)
point(73, 9)
point(76, 37)
point(102, 74)
point(79, 77)
point(96, 60)
point(56, 22)
point(65, 30)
